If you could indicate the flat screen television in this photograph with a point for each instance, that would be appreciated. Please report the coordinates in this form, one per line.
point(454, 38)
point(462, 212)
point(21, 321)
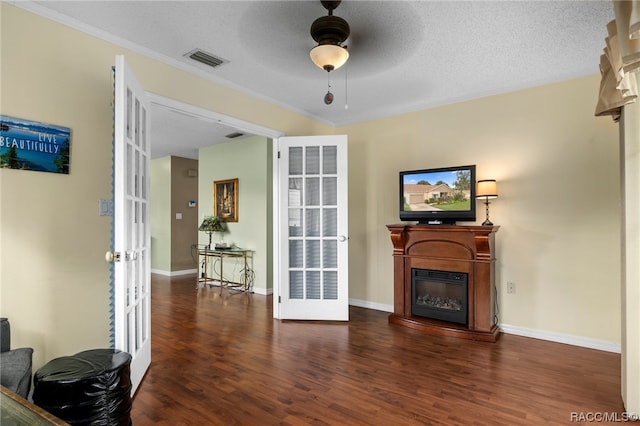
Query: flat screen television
point(440, 196)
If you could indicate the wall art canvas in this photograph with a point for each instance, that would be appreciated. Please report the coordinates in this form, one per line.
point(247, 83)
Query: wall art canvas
point(30, 145)
point(225, 200)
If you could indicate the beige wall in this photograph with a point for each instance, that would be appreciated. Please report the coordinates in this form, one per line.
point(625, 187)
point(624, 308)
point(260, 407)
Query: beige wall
point(54, 280)
point(556, 165)
point(249, 160)
point(184, 232)
point(559, 204)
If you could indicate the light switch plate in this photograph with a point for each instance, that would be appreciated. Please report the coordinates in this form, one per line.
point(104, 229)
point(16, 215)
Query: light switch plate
point(105, 207)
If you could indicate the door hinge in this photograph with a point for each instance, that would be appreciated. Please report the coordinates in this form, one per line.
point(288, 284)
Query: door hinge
point(279, 299)
point(278, 154)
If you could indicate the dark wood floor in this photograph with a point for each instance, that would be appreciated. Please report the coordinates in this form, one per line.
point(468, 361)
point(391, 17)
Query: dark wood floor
point(223, 359)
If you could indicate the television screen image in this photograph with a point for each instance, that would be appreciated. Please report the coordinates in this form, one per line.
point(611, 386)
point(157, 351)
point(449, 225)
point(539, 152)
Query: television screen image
point(438, 196)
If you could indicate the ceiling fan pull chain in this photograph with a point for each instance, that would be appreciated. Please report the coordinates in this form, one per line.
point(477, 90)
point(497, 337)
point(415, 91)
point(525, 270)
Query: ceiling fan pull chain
point(328, 98)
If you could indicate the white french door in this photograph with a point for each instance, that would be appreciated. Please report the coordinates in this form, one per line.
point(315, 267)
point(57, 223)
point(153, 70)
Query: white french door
point(312, 245)
point(132, 239)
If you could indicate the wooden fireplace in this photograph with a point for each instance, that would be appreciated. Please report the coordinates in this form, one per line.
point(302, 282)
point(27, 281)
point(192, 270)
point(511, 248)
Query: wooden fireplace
point(457, 249)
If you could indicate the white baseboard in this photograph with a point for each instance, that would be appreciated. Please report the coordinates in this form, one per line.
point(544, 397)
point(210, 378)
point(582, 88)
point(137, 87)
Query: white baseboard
point(551, 336)
point(586, 342)
point(263, 291)
point(174, 273)
point(371, 305)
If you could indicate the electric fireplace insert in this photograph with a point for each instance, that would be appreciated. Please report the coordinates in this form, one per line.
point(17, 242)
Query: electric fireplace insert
point(439, 295)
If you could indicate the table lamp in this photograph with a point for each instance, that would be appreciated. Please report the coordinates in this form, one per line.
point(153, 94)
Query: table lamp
point(211, 224)
point(486, 189)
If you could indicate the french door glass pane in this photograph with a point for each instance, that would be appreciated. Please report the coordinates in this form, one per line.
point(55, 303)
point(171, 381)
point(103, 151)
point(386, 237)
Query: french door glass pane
point(313, 160)
point(130, 223)
point(312, 193)
point(144, 229)
point(295, 222)
point(330, 254)
point(129, 322)
point(131, 276)
point(130, 171)
point(295, 160)
point(144, 271)
point(295, 192)
point(295, 204)
point(329, 191)
point(296, 285)
point(143, 175)
point(129, 114)
point(135, 232)
point(313, 223)
point(330, 285)
point(330, 160)
point(330, 222)
point(313, 284)
point(137, 336)
point(313, 254)
point(144, 129)
point(295, 254)
point(138, 182)
point(136, 131)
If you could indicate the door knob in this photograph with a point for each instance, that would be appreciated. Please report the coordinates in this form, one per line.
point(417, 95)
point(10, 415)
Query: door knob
point(112, 256)
point(342, 238)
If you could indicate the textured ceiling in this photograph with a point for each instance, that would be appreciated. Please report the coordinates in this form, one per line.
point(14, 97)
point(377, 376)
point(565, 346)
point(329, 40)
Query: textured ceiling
point(404, 55)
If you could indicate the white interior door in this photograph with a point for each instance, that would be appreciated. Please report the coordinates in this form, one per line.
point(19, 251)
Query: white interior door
point(312, 245)
point(132, 239)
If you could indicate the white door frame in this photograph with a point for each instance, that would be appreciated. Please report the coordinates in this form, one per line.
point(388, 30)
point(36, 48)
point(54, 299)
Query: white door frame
point(275, 181)
point(244, 126)
point(247, 127)
point(206, 114)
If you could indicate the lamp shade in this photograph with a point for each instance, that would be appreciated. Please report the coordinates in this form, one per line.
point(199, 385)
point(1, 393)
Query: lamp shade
point(211, 224)
point(487, 188)
point(329, 57)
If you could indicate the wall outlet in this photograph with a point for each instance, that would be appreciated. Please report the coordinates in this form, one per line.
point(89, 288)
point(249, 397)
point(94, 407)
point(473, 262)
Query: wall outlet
point(511, 287)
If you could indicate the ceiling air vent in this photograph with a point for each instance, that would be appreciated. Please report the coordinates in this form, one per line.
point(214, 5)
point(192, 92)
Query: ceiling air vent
point(234, 135)
point(205, 58)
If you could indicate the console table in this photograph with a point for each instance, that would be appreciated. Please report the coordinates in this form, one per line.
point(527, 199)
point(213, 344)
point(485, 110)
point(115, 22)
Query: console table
point(15, 410)
point(462, 249)
point(212, 270)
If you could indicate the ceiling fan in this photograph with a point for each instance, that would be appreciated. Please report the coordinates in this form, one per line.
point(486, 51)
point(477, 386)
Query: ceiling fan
point(329, 32)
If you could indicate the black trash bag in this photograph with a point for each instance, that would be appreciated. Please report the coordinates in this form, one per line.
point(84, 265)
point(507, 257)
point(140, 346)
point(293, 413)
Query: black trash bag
point(89, 388)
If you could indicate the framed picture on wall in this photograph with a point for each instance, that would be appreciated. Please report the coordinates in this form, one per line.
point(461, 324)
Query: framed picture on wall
point(32, 145)
point(225, 200)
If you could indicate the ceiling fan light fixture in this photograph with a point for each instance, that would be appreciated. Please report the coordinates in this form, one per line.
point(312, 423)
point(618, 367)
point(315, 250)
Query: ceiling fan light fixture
point(329, 32)
point(329, 57)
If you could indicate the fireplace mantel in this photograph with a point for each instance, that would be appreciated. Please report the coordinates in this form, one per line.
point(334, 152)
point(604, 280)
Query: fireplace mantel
point(467, 249)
